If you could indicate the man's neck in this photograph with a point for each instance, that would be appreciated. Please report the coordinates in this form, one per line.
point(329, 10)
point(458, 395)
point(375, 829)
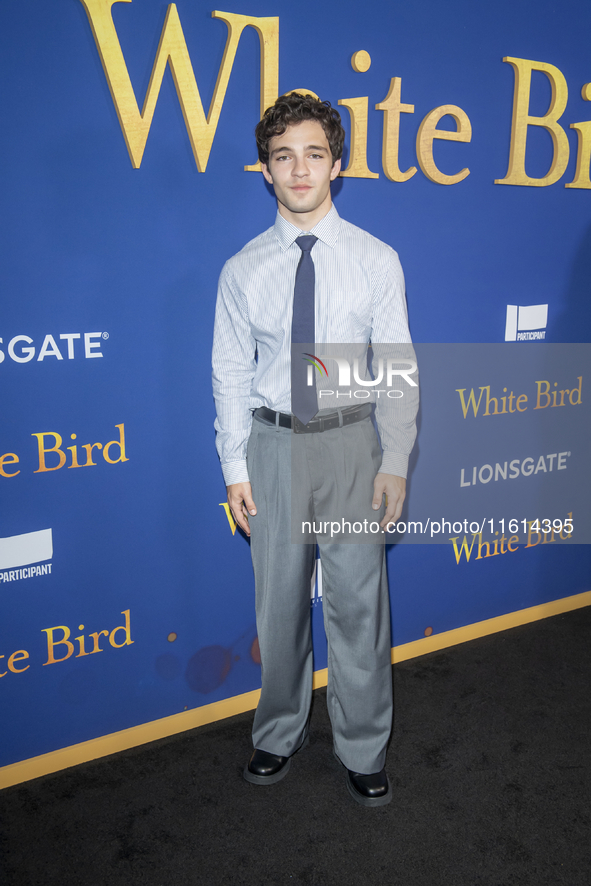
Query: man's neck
point(305, 221)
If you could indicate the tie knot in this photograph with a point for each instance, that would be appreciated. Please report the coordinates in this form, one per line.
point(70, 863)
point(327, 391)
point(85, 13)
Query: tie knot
point(306, 242)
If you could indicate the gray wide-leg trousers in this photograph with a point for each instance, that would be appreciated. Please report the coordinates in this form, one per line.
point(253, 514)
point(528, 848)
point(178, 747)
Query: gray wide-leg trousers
point(355, 595)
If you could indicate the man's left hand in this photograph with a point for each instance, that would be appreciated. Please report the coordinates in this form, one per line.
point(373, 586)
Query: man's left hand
point(395, 490)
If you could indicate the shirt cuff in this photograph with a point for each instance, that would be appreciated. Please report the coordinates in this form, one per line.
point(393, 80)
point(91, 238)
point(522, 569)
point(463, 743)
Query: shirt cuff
point(235, 472)
point(394, 463)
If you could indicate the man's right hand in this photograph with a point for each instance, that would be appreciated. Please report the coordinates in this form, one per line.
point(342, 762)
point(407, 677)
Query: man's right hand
point(241, 504)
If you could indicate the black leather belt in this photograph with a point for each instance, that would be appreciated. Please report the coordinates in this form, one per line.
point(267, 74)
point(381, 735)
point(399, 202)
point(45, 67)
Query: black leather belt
point(316, 425)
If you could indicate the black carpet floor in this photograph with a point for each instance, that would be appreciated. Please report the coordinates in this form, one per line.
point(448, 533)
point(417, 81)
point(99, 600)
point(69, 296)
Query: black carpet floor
point(489, 763)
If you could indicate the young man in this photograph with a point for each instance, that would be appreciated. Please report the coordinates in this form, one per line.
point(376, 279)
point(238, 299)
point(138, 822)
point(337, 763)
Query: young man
point(312, 277)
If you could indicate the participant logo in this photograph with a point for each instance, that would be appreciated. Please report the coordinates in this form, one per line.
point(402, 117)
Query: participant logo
point(18, 552)
point(526, 322)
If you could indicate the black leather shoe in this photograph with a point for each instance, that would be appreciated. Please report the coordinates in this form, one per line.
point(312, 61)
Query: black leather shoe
point(369, 790)
point(265, 768)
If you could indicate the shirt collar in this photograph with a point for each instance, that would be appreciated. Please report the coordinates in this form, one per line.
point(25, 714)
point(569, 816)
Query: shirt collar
point(326, 230)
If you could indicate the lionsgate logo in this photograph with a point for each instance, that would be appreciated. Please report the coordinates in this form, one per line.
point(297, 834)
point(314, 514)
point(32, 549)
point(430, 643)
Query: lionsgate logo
point(68, 345)
point(351, 374)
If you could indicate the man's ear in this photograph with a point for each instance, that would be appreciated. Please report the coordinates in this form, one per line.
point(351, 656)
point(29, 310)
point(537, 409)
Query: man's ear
point(335, 169)
point(267, 174)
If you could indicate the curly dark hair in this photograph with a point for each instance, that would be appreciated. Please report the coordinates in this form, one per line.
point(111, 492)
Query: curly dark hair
point(294, 108)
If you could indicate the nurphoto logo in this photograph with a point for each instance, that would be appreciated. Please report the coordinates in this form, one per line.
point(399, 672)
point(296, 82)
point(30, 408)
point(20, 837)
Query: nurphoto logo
point(346, 367)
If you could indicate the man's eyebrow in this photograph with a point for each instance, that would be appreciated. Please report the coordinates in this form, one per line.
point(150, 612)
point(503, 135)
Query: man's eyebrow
point(306, 148)
point(280, 150)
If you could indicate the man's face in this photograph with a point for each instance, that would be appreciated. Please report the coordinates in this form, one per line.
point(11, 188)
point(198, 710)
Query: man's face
point(300, 169)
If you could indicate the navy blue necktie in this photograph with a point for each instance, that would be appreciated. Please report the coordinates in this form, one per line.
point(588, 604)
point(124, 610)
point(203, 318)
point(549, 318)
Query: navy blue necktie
point(304, 403)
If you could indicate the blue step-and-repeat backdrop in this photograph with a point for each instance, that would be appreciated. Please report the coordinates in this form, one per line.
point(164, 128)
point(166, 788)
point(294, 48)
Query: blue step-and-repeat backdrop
point(128, 177)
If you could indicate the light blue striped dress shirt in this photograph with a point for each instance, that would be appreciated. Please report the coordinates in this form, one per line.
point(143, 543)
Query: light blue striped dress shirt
point(359, 297)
